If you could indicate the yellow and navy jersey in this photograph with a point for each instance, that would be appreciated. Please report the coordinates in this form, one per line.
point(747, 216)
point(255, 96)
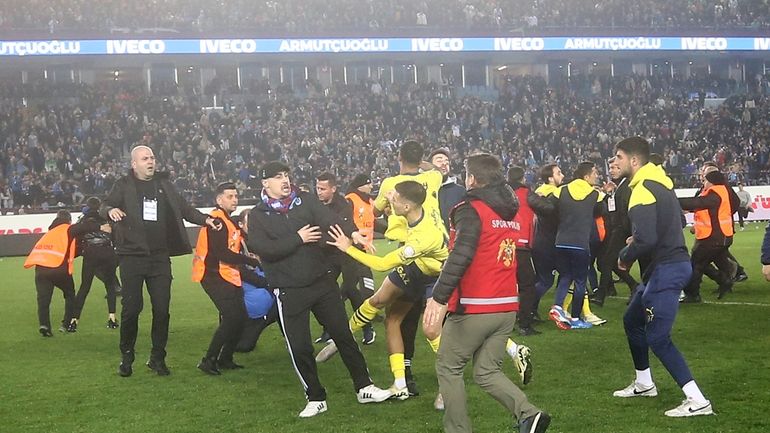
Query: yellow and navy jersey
point(424, 245)
point(397, 226)
point(656, 218)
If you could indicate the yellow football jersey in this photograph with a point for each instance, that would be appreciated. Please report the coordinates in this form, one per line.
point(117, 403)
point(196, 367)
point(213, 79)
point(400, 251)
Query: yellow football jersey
point(424, 244)
point(397, 226)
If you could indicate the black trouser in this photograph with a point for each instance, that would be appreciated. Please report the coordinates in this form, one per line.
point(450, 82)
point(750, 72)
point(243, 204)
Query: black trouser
point(525, 277)
point(103, 266)
point(135, 271)
point(228, 299)
point(409, 329)
point(45, 280)
point(253, 329)
point(323, 299)
point(357, 282)
point(608, 263)
point(702, 255)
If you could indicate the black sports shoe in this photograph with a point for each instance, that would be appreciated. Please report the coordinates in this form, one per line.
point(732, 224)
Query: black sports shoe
point(324, 338)
point(72, 327)
point(125, 369)
point(228, 365)
point(528, 330)
point(112, 324)
point(537, 423)
point(208, 366)
point(741, 276)
point(688, 299)
point(158, 366)
point(369, 335)
point(45, 331)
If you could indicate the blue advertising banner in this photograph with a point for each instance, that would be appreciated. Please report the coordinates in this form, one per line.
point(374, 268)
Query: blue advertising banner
point(376, 45)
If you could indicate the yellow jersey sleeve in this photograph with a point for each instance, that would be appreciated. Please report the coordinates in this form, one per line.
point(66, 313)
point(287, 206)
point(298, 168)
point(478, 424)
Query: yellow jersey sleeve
point(381, 201)
point(376, 263)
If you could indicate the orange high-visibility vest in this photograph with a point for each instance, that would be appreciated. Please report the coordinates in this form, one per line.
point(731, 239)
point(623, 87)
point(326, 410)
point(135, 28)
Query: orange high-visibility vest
point(228, 272)
point(363, 215)
point(724, 214)
point(51, 249)
point(600, 228)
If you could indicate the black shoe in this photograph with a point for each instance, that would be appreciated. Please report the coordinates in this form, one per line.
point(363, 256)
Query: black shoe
point(688, 299)
point(125, 369)
point(324, 338)
point(72, 327)
point(112, 324)
point(528, 330)
point(369, 335)
point(536, 318)
point(158, 367)
point(537, 423)
point(208, 366)
point(45, 331)
point(724, 290)
point(411, 385)
point(740, 277)
point(228, 365)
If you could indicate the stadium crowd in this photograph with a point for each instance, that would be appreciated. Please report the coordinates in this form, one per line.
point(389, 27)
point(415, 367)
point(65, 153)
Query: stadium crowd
point(59, 153)
point(313, 16)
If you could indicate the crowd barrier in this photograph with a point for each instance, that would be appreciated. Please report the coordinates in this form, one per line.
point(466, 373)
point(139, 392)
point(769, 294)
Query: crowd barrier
point(18, 233)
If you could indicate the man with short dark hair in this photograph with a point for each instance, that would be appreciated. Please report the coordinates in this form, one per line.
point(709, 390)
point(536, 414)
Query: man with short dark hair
point(544, 248)
point(216, 266)
point(99, 260)
point(450, 192)
point(326, 190)
point(578, 204)
point(148, 212)
point(478, 287)
point(655, 223)
point(415, 266)
point(286, 231)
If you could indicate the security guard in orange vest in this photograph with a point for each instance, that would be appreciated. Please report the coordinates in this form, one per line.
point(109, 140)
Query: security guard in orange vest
point(713, 234)
point(359, 195)
point(53, 256)
point(216, 266)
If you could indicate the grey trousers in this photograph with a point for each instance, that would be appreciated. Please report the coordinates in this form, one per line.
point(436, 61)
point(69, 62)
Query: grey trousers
point(481, 337)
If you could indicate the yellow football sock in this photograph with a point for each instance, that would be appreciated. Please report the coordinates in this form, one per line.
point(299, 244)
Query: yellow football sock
point(586, 306)
point(398, 368)
point(567, 300)
point(363, 316)
point(435, 343)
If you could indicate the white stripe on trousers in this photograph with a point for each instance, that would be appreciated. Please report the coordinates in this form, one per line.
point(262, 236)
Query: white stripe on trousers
point(277, 294)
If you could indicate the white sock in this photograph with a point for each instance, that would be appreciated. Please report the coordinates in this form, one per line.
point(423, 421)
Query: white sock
point(400, 383)
point(644, 378)
point(692, 392)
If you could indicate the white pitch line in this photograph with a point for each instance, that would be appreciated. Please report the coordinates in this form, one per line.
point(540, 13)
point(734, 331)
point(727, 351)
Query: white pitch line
point(747, 304)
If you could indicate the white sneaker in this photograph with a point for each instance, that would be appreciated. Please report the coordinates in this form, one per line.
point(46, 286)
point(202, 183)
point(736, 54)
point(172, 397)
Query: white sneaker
point(372, 394)
point(313, 408)
point(326, 353)
point(690, 407)
point(594, 319)
point(635, 390)
point(438, 403)
point(523, 364)
point(398, 393)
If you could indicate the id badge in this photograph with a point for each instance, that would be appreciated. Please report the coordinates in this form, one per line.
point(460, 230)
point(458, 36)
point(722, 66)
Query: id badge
point(150, 210)
point(611, 204)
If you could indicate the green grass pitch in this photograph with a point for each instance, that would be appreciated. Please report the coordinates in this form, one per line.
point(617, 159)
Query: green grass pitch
point(69, 383)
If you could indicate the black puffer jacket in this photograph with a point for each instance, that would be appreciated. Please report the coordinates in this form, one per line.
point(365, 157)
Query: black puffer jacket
point(467, 226)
